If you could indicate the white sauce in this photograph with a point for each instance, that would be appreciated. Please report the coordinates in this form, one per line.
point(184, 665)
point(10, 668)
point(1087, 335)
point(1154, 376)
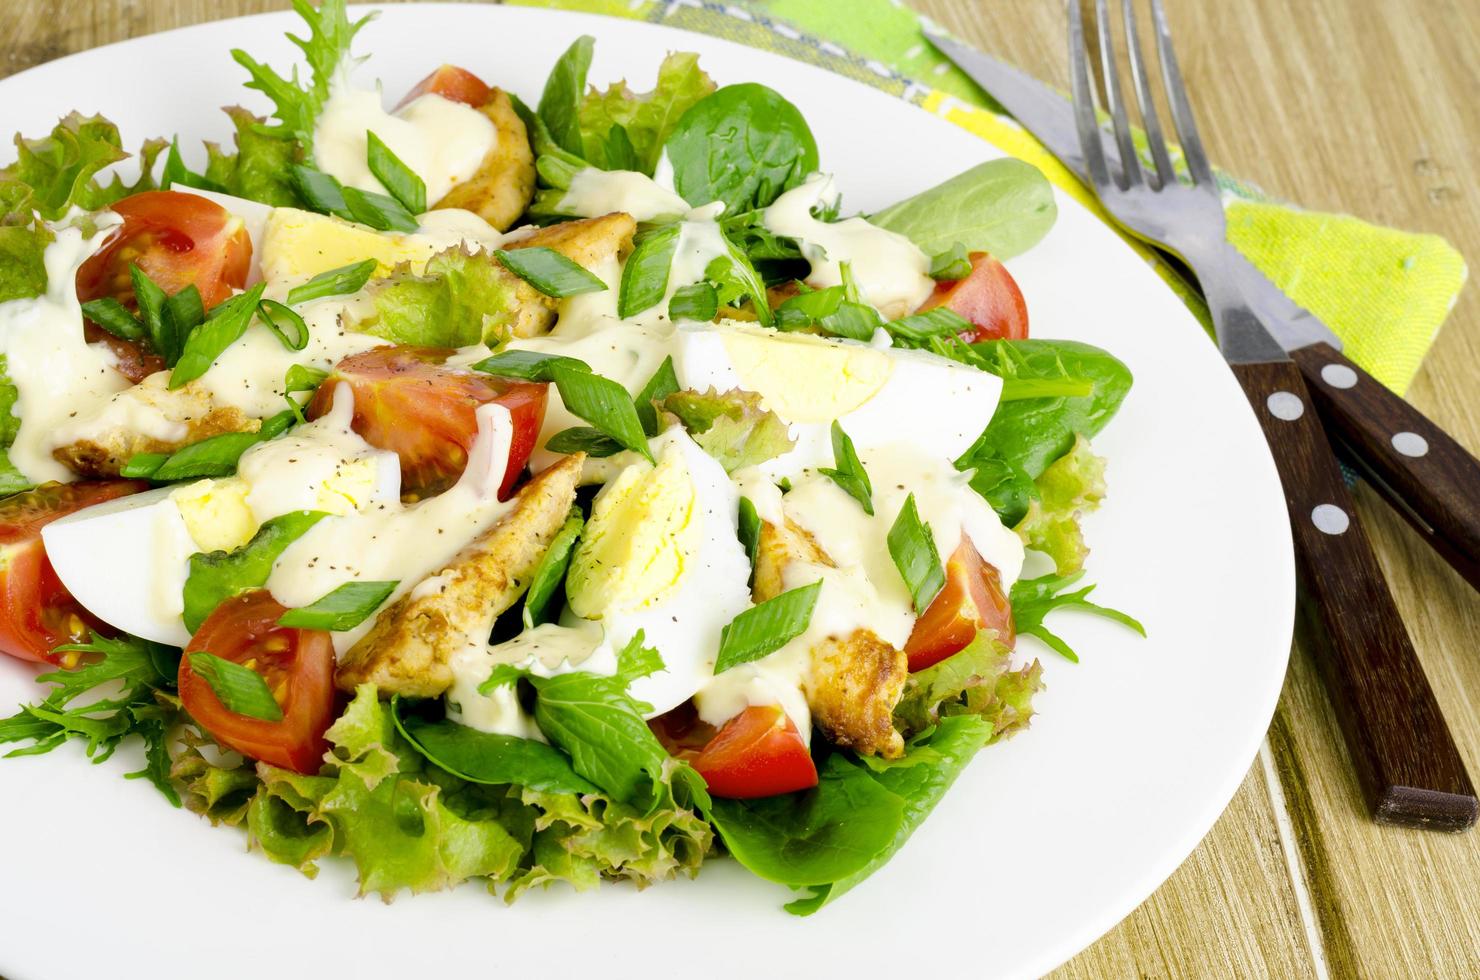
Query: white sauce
point(443, 141)
point(399, 542)
point(57, 374)
point(890, 270)
point(545, 651)
point(594, 192)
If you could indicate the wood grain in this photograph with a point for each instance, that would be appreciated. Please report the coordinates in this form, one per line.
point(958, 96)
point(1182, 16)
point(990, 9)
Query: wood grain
point(1343, 105)
point(1417, 467)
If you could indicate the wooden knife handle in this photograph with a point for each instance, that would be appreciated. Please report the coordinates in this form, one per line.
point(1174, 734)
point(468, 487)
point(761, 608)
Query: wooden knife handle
point(1428, 477)
point(1405, 759)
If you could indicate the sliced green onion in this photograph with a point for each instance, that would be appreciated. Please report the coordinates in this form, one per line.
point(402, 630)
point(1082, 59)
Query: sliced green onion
point(697, 302)
point(336, 282)
point(404, 184)
point(645, 276)
point(548, 574)
point(766, 627)
point(319, 191)
point(849, 472)
point(224, 327)
point(663, 383)
point(241, 690)
point(175, 172)
point(379, 211)
point(953, 263)
point(115, 318)
point(280, 319)
point(939, 322)
point(550, 272)
point(528, 365)
point(750, 532)
point(142, 466)
point(603, 403)
point(342, 609)
point(151, 300)
point(301, 377)
point(583, 439)
point(912, 547)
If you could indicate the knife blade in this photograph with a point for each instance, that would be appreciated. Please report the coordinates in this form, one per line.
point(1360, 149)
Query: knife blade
point(1048, 115)
point(1419, 468)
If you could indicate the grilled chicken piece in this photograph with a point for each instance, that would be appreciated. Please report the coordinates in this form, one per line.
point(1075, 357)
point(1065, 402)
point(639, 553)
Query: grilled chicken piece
point(856, 680)
point(588, 242)
point(504, 183)
point(408, 649)
point(99, 446)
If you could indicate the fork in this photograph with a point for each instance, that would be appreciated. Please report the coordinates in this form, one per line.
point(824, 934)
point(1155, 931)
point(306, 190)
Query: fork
point(1406, 762)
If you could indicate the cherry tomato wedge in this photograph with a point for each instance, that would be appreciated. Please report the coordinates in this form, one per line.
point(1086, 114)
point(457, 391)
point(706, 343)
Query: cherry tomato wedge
point(451, 82)
point(972, 600)
point(759, 752)
point(408, 401)
point(682, 732)
point(37, 613)
point(298, 666)
point(178, 240)
point(988, 297)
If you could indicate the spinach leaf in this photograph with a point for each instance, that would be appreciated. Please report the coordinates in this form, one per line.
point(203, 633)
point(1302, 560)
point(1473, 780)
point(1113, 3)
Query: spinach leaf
point(217, 576)
point(743, 145)
point(483, 757)
point(861, 812)
point(560, 103)
point(1004, 207)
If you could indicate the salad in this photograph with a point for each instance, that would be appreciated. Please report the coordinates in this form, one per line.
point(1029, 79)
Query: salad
point(561, 491)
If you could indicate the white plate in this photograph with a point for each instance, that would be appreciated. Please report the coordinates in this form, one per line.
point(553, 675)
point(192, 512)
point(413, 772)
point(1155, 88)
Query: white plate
point(1045, 842)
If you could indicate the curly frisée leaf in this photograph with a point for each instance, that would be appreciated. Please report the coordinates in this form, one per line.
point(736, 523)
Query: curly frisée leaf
point(731, 426)
point(1033, 599)
point(1072, 486)
point(460, 299)
point(60, 171)
point(975, 681)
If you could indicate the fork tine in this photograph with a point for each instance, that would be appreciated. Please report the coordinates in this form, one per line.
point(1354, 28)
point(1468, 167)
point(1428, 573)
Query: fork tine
point(1150, 120)
point(1084, 101)
point(1130, 169)
point(1182, 118)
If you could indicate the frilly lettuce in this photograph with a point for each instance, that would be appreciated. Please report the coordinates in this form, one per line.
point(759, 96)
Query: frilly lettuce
point(976, 681)
point(461, 298)
point(731, 426)
point(62, 170)
point(1073, 485)
point(642, 120)
point(258, 170)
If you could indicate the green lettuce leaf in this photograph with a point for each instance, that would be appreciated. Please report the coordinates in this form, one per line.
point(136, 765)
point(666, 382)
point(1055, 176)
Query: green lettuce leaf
point(62, 170)
point(297, 104)
point(460, 299)
point(12, 480)
point(1004, 207)
point(1033, 599)
point(1073, 485)
point(861, 812)
point(258, 170)
point(731, 426)
point(975, 681)
point(644, 119)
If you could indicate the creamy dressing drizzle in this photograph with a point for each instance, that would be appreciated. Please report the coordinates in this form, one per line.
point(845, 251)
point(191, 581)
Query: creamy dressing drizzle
point(595, 192)
point(442, 141)
point(890, 269)
point(391, 541)
point(545, 651)
point(56, 373)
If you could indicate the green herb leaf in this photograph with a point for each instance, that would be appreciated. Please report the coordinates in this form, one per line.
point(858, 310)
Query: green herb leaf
point(378, 211)
point(225, 326)
point(737, 278)
point(766, 627)
point(912, 547)
point(550, 272)
point(849, 472)
point(583, 439)
point(528, 365)
point(301, 377)
point(603, 403)
point(809, 307)
point(241, 690)
point(342, 609)
point(115, 318)
point(544, 584)
point(219, 575)
point(698, 302)
point(645, 275)
point(282, 319)
point(482, 757)
point(855, 321)
point(954, 263)
point(336, 282)
point(1003, 206)
point(1033, 599)
point(560, 102)
point(403, 183)
point(743, 145)
point(750, 533)
point(663, 383)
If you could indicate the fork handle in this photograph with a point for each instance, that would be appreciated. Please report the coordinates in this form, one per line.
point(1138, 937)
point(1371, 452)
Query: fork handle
point(1406, 761)
point(1428, 477)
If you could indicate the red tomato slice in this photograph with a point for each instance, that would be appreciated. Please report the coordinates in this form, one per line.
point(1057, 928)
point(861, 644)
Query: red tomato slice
point(451, 82)
point(759, 752)
point(972, 600)
point(177, 239)
point(298, 666)
point(682, 732)
point(407, 401)
point(989, 297)
point(38, 612)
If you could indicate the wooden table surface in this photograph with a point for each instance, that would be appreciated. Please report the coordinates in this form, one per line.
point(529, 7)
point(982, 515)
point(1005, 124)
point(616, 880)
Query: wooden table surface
point(1342, 105)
